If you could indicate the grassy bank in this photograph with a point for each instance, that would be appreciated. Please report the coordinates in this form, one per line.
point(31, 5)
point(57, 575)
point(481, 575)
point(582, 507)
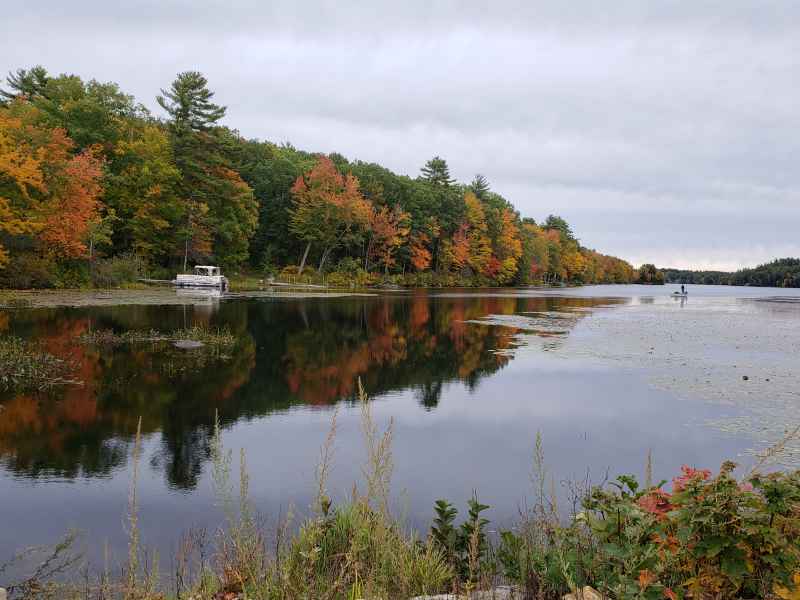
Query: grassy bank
point(704, 535)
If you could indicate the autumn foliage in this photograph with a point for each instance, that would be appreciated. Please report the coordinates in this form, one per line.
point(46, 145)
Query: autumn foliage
point(88, 176)
point(48, 193)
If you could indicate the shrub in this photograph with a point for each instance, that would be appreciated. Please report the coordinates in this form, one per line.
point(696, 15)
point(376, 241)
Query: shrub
point(466, 548)
point(113, 272)
point(349, 266)
point(340, 280)
point(27, 271)
point(710, 537)
point(294, 270)
point(71, 275)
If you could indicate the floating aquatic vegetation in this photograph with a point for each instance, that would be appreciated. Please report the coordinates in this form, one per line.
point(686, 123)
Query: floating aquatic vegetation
point(14, 301)
point(24, 366)
point(542, 324)
point(741, 355)
point(188, 338)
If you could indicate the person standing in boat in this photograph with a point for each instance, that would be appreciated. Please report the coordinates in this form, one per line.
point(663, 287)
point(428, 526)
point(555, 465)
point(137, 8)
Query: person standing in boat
point(683, 289)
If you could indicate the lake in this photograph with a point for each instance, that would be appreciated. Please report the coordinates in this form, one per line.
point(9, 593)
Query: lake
point(605, 373)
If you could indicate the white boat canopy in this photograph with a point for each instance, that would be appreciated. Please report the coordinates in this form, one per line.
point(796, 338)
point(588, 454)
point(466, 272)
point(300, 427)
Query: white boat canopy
point(207, 270)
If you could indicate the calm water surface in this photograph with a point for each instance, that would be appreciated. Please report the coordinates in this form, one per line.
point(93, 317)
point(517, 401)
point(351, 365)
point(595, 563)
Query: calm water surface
point(469, 378)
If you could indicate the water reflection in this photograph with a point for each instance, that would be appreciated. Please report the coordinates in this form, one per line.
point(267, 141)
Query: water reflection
point(287, 353)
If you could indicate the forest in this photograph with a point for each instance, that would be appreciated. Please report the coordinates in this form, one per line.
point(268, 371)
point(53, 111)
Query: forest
point(97, 191)
point(782, 272)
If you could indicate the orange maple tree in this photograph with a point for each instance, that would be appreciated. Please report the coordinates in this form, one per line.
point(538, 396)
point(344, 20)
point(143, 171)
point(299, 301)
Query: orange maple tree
point(328, 210)
point(72, 206)
point(389, 230)
point(45, 191)
point(420, 255)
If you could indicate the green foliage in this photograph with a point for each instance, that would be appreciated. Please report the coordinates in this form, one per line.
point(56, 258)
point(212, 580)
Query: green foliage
point(558, 224)
point(443, 532)
point(465, 548)
point(437, 172)
point(188, 102)
point(711, 537)
point(355, 547)
point(222, 214)
point(189, 190)
point(26, 82)
point(649, 274)
point(71, 275)
point(480, 186)
point(28, 271)
point(113, 272)
point(783, 272)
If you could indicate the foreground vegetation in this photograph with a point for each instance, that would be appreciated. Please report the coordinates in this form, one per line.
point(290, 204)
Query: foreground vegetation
point(97, 192)
point(783, 272)
point(709, 536)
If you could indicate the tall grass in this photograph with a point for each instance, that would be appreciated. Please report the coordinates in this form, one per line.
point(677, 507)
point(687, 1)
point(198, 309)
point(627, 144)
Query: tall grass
point(360, 549)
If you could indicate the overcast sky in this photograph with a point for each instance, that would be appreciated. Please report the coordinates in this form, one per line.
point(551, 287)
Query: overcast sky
point(664, 132)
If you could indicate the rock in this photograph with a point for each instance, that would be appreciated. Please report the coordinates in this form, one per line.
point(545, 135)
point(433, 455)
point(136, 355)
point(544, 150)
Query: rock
point(587, 593)
point(188, 344)
point(499, 593)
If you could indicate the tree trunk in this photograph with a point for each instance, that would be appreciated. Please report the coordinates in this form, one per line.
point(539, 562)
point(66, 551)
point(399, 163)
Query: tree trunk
point(366, 254)
point(323, 259)
point(186, 254)
point(91, 259)
point(305, 256)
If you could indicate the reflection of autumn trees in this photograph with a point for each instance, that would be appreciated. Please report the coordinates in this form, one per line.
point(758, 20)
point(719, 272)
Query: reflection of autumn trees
point(86, 429)
point(287, 353)
point(420, 342)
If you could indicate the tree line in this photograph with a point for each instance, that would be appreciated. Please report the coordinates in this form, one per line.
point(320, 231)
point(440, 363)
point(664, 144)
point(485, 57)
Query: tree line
point(94, 189)
point(782, 272)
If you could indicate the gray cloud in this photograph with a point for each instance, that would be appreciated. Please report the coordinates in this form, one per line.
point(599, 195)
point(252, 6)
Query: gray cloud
point(665, 132)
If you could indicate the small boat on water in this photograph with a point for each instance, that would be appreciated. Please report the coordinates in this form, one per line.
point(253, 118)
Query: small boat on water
point(204, 276)
point(682, 293)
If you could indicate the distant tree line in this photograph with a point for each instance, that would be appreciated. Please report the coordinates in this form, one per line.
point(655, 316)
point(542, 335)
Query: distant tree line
point(783, 272)
point(95, 190)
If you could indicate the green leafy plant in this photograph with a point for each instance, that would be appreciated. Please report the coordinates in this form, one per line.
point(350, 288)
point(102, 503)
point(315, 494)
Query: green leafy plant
point(466, 547)
point(709, 537)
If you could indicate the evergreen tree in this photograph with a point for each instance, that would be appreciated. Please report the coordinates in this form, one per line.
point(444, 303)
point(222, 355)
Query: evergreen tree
point(188, 102)
point(208, 181)
point(480, 186)
point(25, 82)
point(437, 172)
point(557, 223)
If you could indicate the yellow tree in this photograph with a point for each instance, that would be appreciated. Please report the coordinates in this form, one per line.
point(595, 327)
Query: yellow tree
point(508, 247)
point(20, 177)
point(45, 191)
point(143, 192)
point(575, 264)
point(480, 246)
